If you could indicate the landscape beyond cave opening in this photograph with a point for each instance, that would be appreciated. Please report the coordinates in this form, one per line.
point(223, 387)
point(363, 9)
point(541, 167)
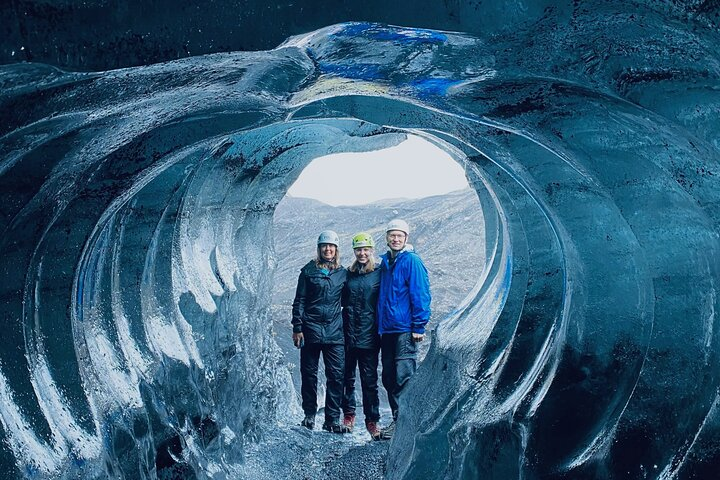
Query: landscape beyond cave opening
point(446, 220)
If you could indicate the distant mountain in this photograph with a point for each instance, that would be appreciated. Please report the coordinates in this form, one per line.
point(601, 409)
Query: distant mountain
point(447, 233)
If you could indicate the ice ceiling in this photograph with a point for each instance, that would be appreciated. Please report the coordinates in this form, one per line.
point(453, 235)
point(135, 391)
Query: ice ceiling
point(137, 257)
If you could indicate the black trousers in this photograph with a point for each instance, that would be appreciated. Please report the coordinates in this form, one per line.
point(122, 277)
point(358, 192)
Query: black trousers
point(334, 358)
point(399, 360)
point(367, 360)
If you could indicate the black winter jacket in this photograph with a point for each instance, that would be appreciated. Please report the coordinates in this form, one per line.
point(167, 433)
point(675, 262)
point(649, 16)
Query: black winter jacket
point(359, 302)
point(316, 308)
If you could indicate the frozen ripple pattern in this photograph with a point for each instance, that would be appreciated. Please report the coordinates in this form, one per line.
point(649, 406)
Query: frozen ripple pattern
point(137, 254)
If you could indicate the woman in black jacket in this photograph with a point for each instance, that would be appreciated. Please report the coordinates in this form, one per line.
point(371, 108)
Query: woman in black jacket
point(362, 342)
point(318, 328)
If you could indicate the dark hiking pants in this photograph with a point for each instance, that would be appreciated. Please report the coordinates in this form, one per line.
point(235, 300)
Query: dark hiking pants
point(399, 359)
point(367, 361)
point(334, 358)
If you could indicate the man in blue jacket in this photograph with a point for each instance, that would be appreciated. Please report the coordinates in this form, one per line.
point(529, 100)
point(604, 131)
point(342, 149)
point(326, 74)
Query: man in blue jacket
point(403, 311)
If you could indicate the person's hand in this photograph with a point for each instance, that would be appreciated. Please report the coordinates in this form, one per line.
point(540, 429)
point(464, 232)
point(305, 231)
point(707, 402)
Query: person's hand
point(418, 337)
point(298, 340)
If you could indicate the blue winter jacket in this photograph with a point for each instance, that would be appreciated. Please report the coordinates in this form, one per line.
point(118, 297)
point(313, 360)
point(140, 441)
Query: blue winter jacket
point(404, 299)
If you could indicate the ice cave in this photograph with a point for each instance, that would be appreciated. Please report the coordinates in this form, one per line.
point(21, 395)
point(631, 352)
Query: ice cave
point(136, 219)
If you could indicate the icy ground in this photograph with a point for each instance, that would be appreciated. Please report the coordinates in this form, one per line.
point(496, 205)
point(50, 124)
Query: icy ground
point(295, 453)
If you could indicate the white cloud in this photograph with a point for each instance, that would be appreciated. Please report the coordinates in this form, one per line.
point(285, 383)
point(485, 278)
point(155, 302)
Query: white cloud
point(413, 169)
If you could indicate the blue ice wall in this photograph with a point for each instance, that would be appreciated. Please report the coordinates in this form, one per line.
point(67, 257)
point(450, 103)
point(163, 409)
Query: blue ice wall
point(137, 263)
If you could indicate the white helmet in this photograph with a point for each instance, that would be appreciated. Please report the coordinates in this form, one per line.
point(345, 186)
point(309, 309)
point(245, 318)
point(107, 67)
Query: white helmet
point(398, 224)
point(328, 236)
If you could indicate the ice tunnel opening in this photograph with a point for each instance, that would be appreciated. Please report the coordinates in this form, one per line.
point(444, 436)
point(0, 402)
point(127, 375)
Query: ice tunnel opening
point(191, 317)
point(353, 192)
point(170, 310)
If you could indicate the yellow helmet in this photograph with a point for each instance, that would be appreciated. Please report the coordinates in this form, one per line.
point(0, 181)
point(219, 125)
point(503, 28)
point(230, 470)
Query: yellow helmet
point(362, 239)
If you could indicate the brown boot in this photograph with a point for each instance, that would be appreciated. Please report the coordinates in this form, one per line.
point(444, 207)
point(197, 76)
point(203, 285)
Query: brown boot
point(374, 429)
point(349, 421)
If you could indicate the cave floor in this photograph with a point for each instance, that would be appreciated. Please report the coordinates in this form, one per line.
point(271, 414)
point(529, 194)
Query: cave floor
point(292, 452)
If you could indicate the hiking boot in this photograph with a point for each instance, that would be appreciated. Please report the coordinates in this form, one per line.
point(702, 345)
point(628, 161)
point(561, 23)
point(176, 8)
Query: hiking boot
point(308, 422)
point(373, 429)
point(335, 427)
point(349, 421)
point(388, 432)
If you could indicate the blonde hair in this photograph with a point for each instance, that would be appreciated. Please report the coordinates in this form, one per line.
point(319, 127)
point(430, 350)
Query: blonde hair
point(322, 263)
point(367, 268)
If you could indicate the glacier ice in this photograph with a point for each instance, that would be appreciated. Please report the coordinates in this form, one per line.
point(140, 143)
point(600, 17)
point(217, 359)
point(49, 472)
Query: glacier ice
point(137, 257)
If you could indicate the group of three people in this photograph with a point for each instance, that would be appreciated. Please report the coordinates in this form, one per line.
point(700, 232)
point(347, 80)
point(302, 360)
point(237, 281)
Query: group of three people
point(349, 316)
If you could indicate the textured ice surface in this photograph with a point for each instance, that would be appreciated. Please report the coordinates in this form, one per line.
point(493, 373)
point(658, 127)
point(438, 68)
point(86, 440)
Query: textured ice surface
point(136, 247)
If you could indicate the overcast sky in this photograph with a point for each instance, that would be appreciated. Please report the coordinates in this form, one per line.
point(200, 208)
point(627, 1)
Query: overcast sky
point(414, 169)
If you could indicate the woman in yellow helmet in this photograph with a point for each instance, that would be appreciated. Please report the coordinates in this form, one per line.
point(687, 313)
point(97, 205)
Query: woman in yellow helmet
point(362, 342)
